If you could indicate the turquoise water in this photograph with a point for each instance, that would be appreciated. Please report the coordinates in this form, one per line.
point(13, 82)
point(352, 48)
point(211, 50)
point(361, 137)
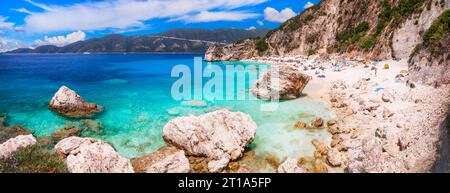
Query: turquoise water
point(135, 89)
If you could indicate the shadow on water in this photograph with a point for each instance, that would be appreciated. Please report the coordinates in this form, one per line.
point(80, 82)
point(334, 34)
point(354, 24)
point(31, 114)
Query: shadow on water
point(442, 164)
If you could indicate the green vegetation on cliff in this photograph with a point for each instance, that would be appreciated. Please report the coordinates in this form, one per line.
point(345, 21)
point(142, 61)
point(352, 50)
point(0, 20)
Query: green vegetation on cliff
point(434, 39)
point(32, 159)
point(262, 45)
point(390, 17)
point(353, 34)
point(434, 36)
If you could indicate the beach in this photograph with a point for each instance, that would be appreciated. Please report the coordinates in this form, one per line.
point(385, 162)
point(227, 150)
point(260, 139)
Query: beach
point(384, 122)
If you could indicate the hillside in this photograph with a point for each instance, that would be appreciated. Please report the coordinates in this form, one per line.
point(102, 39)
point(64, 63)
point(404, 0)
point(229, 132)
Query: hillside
point(176, 40)
point(378, 29)
point(430, 61)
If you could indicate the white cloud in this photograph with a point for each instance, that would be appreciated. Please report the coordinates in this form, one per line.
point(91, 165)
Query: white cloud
point(260, 23)
point(123, 14)
point(10, 44)
point(5, 25)
point(19, 29)
point(271, 14)
point(62, 40)
point(308, 5)
point(22, 10)
point(40, 5)
point(251, 28)
point(206, 16)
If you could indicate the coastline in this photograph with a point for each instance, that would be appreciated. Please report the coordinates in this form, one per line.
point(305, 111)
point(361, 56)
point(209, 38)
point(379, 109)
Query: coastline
point(380, 124)
point(383, 124)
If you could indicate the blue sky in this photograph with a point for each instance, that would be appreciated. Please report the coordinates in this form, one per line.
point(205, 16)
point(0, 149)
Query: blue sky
point(29, 23)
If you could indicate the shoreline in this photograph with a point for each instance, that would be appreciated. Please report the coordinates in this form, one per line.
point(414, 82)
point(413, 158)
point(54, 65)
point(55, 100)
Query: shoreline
point(404, 134)
point(377, 123)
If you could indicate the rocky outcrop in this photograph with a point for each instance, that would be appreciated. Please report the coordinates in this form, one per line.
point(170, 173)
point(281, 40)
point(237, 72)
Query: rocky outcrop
point(8, 132)
point(430, 63)
point(290, 166)
point(87, 155)
point(356, 28)
point(68, 103)
point(221, 136)
point(282, 82)
point(404, 131)
point(12, 145)
point(409, 34)
point(165, 160)
point(232, 52)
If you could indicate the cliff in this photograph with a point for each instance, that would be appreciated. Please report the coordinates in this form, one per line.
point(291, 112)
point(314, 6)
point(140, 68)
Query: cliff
point(430, 61)
point(379, 29)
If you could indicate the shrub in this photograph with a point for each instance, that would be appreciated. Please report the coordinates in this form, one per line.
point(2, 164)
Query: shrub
point(369, 43)
point(434, 39)
point(438, 29)
point(395, 14)
point(32, 159)
point(353, 34)
point(311, 52)
point(262, 45)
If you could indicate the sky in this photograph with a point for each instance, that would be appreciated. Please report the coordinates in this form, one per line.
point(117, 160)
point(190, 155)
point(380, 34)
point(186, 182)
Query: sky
point(31, 23)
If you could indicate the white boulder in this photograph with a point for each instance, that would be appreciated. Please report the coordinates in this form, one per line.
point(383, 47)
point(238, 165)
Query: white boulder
point(221, 135)
point(12, 145)
point(87, 155)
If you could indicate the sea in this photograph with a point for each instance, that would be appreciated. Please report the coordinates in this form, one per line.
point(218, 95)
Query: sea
point(137, 91)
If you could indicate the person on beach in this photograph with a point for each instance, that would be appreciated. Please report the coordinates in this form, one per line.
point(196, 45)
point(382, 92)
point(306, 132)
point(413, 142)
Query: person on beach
point(374, 68)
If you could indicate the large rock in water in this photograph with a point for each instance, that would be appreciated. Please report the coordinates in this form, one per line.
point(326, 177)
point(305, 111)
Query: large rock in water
point(12, 145)
point(165, 160)
point(87, 155)
point(221, 136)
point(68, 103)
point(283, 82)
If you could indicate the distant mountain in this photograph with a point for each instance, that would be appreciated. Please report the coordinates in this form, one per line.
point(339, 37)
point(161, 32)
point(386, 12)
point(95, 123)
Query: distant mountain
point(225, 36)
point(175, 40)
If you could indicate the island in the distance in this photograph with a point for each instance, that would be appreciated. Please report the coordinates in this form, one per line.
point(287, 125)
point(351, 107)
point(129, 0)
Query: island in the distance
point(174, 40)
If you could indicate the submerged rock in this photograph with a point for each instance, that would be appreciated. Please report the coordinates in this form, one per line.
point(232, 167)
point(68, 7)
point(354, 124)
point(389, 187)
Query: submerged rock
point(290, 166)
point(194, 103)
point(12, 145)
point(13, 131)
point(221, 136)
point(317, 122)
point(91, 127)
point(88, 155)
point(2, 120)
point(165, 160)
point(300, 125)
point(68, 103)
point(67, 131)
point(281, 83)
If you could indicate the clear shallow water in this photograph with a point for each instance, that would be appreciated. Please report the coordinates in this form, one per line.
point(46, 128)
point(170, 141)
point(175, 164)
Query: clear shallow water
point(135, 89)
